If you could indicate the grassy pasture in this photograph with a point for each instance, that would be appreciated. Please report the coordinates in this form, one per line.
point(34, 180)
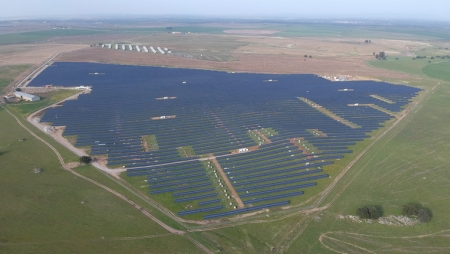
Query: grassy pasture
point(8, 73)
point(404, 64)
point(43, 213)
point(182, 29)
point(195, 45)
point(365, 32)
point(392, 174)
point(438, 71)
point(151, 142)
point(407, 165)
point(38, 36)
point(25, 108)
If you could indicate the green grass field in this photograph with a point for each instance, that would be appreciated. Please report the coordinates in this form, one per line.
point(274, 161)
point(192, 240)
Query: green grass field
point(43, 213)
point(39, 36)
point(181, 29)
point(438, 71)
point(340, 30)
point(409, 165)
point(8, 73)
point(24, 108)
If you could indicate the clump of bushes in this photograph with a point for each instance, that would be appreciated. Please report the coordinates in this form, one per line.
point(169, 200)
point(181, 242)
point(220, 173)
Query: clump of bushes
point(85, 159)
point(422, 214)
point(368, 212)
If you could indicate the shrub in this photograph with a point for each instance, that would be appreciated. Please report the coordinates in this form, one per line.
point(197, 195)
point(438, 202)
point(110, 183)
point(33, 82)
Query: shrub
point(409, 210)
point(424, 215)
point(368, 212)
point(85, 159)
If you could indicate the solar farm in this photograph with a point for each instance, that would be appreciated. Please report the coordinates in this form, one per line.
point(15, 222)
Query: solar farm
point(216, 144)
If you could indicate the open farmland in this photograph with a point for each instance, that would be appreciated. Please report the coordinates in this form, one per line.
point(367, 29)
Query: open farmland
point(211, 119)
point(403, 159)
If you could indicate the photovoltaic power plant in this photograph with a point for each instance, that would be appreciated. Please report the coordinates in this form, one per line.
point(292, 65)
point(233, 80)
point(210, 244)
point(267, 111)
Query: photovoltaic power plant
point(263, 139)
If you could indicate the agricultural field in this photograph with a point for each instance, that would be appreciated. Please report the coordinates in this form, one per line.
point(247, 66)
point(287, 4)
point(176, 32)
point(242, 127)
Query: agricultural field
point(35, 36)
point(9, 73)
point(316, 150)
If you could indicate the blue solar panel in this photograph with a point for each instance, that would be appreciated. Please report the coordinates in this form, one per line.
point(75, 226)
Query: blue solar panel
point(215, 112)
point(245, 210)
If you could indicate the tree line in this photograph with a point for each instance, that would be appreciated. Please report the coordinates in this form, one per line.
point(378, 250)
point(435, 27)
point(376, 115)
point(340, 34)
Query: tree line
point(408, 210)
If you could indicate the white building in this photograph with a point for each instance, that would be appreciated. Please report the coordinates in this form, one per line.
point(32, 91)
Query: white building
point(26, 97)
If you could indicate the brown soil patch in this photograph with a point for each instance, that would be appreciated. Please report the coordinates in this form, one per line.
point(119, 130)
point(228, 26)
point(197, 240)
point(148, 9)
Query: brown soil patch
point(144, 144)
point(294, 141)
point(33, 53)
point(102, 160)
point(320, 133)
point(250, 32)
point(228, 183)
point(258, 63)
point(72, 164)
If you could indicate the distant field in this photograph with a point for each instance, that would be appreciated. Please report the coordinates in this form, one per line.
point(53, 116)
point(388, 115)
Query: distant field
point(39, 36)
point(439, 71)
point(43, 212)
point(366, 32)
point(182, 29)
point(404, 64)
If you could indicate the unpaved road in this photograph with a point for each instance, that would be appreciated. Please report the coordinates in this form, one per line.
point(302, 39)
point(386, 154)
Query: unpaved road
point(228, 183)
point(143, 211)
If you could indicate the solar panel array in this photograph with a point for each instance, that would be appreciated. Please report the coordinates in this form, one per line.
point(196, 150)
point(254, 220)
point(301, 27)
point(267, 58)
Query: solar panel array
point(214, 112)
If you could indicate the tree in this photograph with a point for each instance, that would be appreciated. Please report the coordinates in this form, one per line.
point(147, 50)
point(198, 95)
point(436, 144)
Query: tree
point(366, 41)
point(305, 56)
point(368, 212)
point(423, 215)
point(377, 56)
point(363, 213)
point(374, 213)
point(310, 56)
point(85, 159)
point(382, 54)
point(409, 210)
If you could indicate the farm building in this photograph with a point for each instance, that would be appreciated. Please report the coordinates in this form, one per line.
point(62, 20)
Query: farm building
point(27, 97)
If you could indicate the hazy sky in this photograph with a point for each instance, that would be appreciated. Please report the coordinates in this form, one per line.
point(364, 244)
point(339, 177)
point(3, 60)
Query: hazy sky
point(424, 9)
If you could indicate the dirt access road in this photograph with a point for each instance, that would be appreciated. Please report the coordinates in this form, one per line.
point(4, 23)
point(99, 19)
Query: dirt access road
point(136, 206)
point(228, 183)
